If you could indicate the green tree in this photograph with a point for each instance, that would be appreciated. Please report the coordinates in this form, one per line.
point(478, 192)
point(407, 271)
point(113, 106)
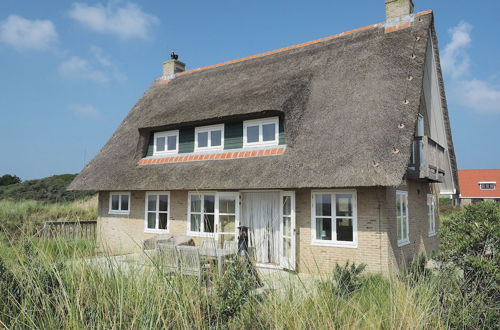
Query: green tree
point(9, 179)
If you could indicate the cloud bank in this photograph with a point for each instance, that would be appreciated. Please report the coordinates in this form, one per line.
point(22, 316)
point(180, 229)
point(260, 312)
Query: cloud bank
point(24, 34)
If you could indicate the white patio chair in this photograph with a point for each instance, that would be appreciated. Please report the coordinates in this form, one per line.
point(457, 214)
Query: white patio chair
point(189, 261)
point(231, 246)
point(168, 256)
point(209, 244)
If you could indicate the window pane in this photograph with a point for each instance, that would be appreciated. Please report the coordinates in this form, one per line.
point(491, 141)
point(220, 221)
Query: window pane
point(172, 142)
point(287, 247)
point(195, 222)
point(209, 203)
point(405, 229)
point(268, 132)
point(252, 134)
point(124, 206)
point(209, 223)
point(202, 139)
point(344, 230)
point(227, 205)
point(323, 204)
point(398, 205)
point(323, 229)
point(151, 202)
point(287, 205)
point(344, 205)
point(399, 228)
point(195, 203)
point(227, 224)
point(216, 138)
point(163, 202)
point(151, 220)
point(160, 144)
point(115, 202)
point(404, 205)
point(163, 220)
point(287, 226)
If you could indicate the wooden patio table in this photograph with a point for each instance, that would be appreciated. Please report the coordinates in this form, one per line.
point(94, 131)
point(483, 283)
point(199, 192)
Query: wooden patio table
point(219, 254)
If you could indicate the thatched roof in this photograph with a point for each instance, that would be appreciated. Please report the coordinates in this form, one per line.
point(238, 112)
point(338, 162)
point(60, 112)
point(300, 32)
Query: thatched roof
point(343, 104)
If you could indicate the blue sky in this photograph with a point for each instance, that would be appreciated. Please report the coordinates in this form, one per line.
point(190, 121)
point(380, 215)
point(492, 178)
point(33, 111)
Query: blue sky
point(71, 71)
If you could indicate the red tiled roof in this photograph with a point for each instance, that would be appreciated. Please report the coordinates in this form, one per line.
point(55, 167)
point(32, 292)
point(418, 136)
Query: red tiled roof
point(469, 183)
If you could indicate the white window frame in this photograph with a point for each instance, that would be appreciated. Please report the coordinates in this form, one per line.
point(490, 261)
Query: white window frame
point(354, 217)
point(119, 211)
point(217, 195)
point(157, 212)
point(260, 123)
point(404, 240)
point(209, 129)
point(431, 214)
point(487, 182)
point(166, 134)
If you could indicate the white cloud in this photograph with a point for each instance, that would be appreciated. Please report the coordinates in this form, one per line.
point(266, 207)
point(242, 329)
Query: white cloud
point(476, 94)
point(126, 21)
point(85, 111)
point(79, 68)
point(23, 34)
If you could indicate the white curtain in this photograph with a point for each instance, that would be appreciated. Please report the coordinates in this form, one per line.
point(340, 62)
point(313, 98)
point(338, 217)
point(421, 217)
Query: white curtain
point(261, 213)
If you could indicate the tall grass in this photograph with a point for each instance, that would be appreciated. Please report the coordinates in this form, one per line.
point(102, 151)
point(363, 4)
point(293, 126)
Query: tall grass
point(38, 290)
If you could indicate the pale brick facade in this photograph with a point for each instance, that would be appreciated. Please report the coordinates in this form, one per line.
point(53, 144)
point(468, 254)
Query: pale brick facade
point(377, 243)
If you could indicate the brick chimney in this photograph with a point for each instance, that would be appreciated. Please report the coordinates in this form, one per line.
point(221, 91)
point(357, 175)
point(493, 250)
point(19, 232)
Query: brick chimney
point(172, 67)
point(397, 11)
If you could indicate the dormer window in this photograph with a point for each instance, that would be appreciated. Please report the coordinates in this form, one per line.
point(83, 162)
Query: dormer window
point(166, 142)
point(209, 138)
point(260, 132)
point(487, 185)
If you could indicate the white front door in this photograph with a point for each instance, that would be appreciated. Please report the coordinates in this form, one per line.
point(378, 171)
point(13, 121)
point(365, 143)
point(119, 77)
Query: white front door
point(288, 244)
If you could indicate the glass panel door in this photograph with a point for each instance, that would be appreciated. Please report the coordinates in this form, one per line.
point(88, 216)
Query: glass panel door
point(288, 230)
point(228, 209)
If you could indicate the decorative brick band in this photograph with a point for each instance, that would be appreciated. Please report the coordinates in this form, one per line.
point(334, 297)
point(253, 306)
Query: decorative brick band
point(217, 156)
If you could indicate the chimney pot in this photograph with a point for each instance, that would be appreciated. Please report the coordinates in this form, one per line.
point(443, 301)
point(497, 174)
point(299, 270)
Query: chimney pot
point(396, 10)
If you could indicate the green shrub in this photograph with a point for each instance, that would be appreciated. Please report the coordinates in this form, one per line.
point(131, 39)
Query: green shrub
point(344, 280)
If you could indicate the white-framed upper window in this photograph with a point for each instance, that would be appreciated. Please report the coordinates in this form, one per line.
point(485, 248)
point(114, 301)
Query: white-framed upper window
point(431, 213)
point(334, 218)
point(166, 142)
point(402, 218)
point(488, 185)
point(209, 138)
point(261, 132)
point(119, 203)
point(157, 211)
point(211, 214)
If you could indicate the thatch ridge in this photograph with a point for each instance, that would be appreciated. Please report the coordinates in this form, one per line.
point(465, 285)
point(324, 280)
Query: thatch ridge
point(343, 104)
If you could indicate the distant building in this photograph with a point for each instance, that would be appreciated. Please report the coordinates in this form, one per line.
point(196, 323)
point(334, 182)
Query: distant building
point(479, 185)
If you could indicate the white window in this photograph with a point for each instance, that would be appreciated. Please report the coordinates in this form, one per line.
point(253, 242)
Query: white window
point(403, 223)
point(209, 138)
point(487, 185)
point(431, 213)
point(213, 214)
point(119, 203)
point(157, 211)
point(261, 132)
point(166, 142)
point(334, 218)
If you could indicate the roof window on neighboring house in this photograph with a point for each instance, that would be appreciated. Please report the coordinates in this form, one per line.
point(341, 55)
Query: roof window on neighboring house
point(491, 185)
point(261, 132)
point(166, 142)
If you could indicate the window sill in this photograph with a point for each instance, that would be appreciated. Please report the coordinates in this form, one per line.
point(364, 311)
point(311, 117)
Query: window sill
point(353, 245)
point(198, 234)
point(119, 212)
point(156, 231)
point(403, 243)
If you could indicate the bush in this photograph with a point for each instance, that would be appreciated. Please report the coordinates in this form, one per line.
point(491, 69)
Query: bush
point(51, 189)
point(9, 179)
point(345, 279)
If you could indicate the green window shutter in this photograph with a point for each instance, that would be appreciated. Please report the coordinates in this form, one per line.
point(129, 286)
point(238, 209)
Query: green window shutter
point(282, 136)
point(186, 140)
point(151, 145)
point(233, 135)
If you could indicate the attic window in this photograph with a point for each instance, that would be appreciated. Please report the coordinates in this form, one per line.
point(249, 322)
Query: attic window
point(487, 185)
point(166, 142)
point(261, 132)
point(209, 138)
